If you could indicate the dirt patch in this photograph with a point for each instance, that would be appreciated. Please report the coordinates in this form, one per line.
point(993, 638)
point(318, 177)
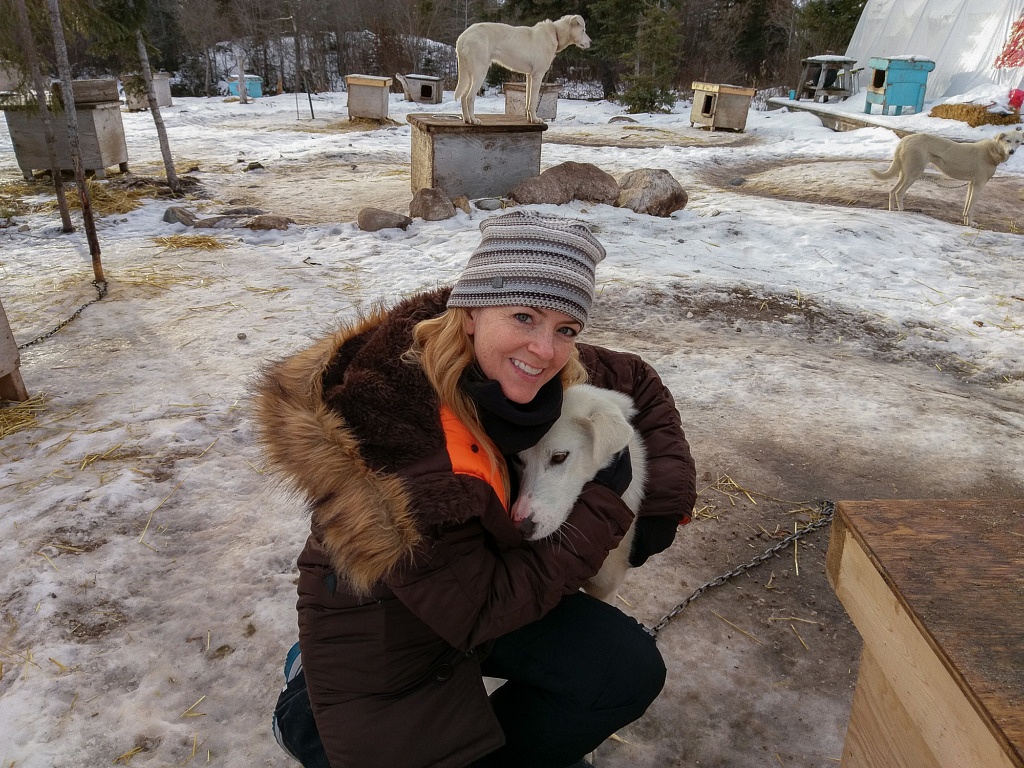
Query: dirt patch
point(626, 135)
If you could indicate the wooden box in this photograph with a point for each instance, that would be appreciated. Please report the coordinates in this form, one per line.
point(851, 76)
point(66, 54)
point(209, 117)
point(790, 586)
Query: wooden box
point(89, 92)
point(11, 385)
point(477, 161)
point(367, 96)
point(100, 136)
point(136, 101)
point(515, 100)
point(720, 106)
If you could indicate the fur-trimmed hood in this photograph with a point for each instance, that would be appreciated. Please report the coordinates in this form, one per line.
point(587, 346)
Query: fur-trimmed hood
point(339, 420)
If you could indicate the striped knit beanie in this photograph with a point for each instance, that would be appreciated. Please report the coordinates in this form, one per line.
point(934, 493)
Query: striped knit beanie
point(530, 260)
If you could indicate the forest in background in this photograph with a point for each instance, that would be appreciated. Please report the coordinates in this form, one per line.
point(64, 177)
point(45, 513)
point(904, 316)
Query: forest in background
point(644, 53)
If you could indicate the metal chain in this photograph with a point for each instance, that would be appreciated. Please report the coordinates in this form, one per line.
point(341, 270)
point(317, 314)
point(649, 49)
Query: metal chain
point(101, 291)
point(828, 509)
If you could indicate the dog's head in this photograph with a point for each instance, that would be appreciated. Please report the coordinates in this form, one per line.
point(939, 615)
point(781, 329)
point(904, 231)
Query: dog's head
point(573, 31)
point(1012, 140)
point(593, 427)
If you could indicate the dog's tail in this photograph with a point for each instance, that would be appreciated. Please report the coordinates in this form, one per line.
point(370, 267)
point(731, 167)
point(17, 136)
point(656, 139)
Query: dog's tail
point(888, 173)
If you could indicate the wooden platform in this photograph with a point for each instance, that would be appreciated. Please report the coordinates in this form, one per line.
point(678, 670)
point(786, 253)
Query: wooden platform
point(936, 590)
point(477, 161)
point(832, 118)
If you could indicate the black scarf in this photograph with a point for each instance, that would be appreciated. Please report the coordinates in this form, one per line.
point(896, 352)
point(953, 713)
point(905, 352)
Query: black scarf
point(512, 426)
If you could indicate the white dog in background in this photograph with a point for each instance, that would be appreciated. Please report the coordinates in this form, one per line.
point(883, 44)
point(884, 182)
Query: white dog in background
point(974, 163)
point(527, 50)
point(593, 428)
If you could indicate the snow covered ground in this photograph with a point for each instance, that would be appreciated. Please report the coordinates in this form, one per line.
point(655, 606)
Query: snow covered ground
point(815, 351)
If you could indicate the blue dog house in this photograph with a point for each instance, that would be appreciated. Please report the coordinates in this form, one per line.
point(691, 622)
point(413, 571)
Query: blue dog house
point(253, 86)
point(898, 81)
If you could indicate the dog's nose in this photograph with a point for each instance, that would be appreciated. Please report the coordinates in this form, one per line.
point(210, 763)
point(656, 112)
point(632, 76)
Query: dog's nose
point(527, 527)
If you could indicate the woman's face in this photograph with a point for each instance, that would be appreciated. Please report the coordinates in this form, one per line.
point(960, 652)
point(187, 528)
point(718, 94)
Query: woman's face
point(522, 348)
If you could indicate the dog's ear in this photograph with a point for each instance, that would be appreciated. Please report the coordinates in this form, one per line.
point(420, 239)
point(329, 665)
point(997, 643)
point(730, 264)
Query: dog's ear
point(609, 428)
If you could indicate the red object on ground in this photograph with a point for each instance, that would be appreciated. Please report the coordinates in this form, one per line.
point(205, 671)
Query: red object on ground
point(1016, 98)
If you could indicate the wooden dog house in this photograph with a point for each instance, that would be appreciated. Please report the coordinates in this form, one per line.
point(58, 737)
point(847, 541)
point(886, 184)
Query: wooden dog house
point(485, 160)
point(515, 100)
point(101, 138)
point(720, 106)
point(898, 81)
point(367, 96)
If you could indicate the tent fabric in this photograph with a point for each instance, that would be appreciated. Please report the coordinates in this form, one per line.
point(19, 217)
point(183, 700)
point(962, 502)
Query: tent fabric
point(972, 42)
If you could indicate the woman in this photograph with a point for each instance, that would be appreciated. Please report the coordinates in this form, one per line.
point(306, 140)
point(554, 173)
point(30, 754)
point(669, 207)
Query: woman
point(415, 583)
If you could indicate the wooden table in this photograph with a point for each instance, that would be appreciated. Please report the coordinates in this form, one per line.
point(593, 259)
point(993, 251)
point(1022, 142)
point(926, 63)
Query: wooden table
point(936, 590)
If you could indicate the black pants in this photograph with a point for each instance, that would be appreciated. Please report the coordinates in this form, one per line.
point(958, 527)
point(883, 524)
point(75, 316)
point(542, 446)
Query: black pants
point(573, 678)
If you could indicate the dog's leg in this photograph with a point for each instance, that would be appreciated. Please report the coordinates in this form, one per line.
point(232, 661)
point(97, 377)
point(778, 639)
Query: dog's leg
point(969, 205)
point(900, 190)
point(531, 99)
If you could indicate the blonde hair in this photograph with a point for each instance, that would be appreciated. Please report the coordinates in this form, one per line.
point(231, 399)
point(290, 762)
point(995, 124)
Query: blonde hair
point(444, 350)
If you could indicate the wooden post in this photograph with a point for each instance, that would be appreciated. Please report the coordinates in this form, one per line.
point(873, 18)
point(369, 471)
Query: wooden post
point(11, 385)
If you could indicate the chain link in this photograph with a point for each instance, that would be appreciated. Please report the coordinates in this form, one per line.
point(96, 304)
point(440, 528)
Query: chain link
point(827, 508)
point(101, 291)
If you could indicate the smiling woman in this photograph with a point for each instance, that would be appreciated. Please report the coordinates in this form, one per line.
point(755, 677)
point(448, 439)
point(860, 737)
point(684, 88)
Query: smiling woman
point(416, 581)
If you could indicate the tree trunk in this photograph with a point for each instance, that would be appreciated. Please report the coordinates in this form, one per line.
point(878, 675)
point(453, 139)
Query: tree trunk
point(154, 110)
point(64, 67)
point(29, 46)
point(243, 91)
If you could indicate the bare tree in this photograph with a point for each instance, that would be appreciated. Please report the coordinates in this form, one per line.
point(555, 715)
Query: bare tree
point(28, 50)
point(154, 110)
point(64, 67)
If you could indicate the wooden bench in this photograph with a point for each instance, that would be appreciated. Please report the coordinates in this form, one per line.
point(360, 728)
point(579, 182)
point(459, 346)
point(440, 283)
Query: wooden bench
point(11, 385)
point(935, 590)
point(485, 160)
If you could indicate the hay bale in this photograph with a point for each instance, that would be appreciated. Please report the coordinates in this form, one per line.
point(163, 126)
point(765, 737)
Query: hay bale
point(974, 114)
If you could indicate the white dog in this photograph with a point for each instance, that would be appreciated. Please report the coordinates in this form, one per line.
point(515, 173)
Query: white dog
point(593, 428)
point(527, 50)
point(974, 163)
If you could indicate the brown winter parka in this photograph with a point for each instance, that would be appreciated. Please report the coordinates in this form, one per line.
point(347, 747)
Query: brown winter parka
point(412, 567)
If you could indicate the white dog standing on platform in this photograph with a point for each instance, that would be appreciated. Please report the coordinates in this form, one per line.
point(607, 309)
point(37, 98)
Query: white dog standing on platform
point(593, 428)
point(527, 50)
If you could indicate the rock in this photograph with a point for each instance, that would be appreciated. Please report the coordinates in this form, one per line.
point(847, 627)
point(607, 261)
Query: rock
point(653, 191)
point(488, 204)
point(567, 181)
point(621, 119)
point(243, 211)
point(269, 221)
point(462, 203)
point(431, 204)
point(376, 219)
point(179, 214)
point(220, 222)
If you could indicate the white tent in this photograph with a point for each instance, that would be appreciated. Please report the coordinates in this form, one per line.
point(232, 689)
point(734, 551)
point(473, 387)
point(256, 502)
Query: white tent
point(972, 42)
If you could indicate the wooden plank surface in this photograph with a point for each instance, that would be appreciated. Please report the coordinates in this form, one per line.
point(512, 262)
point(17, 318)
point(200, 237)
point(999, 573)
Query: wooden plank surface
point(957, 569)
point(431, 122)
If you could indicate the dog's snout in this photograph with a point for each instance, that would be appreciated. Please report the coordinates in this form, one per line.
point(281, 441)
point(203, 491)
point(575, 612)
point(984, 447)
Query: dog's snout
point(527, 527)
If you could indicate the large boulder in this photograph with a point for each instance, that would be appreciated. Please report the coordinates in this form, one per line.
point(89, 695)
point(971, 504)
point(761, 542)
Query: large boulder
point(653, 191)
point(568, 181)
point(431, 204)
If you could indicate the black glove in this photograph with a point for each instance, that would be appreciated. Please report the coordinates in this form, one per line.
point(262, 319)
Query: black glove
point(618, 473)
point(652, 535)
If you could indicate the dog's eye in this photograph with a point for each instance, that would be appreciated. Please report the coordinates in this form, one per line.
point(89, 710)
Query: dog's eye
point(558, 458)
